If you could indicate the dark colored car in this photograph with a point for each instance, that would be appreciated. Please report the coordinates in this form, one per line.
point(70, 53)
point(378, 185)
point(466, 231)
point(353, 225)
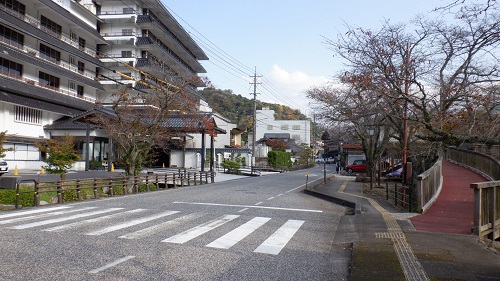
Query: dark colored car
point(358, 166)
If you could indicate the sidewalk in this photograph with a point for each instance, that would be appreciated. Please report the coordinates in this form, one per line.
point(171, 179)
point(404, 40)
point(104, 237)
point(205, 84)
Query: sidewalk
point(386, 246)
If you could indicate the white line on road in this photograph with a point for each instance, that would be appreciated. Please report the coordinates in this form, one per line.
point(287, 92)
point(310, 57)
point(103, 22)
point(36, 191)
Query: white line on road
point(242, 210)
point(249, 206)
point(79, 223)
point(281, 194)
point(44, 215)
point(270, 198)
point(51, 221)
point(199, 230)
point(258, 203)
point(278, 240)
point(154, 228)
point(231, 238)
point(97, 270)
point(17, 214)
point(130, 223)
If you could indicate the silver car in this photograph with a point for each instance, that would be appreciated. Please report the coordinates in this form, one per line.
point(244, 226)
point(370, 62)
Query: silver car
point(4, 167)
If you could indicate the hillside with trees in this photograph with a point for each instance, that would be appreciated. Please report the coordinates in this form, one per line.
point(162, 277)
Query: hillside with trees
point(239, 109)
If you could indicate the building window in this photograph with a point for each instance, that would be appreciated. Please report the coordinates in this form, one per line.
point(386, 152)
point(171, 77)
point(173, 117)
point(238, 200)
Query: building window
point(72, 60)
point(296, 127)
point(128, 10)
point(50, 25)
point(11, 34)
point(28, 115)
point(269, 127)
point(126, 54)
point(48, 80)
point(10, 68)
point(284, 127)
point(14, 5)
point(81, 67)
point(79, 90)
point(73, 36)
point(49, 52)
point(81, 43)
point(72, 86)
point(127, 32)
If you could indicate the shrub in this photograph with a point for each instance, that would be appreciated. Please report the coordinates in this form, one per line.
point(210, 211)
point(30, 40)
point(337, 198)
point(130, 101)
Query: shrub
point(231, 166)
point(279, 159)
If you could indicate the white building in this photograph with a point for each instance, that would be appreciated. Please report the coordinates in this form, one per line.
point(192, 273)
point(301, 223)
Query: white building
point(59, 58)
point(299, 130)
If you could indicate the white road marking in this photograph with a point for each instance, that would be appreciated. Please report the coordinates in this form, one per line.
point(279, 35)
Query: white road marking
point(242, 210)
point(199, 230)
point(79, 223)
point(294, 188)
point(281, 194)
point(97, 270)
point(258, 203)
point(249, 206)
point(51, 221)
point(44, 215)
point(130, 223)
point(270, 198)
point(36, 211)
point(278, 240)
point(154, 228)
point(231, 238)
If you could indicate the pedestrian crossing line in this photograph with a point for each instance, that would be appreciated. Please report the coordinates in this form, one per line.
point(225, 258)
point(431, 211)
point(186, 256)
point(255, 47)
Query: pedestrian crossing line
point(130, 223)
point(199, 230)
point(249, 206)
point(51, 221)
point(154, 228)
point(36, 211)
point(68, 226)
point(278, 240)
point(231, 238)
point(44, 215)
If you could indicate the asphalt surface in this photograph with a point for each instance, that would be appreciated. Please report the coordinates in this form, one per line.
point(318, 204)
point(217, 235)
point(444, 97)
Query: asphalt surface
point(386, 245)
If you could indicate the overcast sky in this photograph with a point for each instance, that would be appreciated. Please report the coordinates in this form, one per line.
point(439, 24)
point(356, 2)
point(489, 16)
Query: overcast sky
point(282, 39)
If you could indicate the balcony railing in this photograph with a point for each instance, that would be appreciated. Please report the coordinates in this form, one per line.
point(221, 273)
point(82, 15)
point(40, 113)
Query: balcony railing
point(34, 52)
point(47, 87)
point(36, 23)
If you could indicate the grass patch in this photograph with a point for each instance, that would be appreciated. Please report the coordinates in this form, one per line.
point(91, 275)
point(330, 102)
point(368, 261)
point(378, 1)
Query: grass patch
point(375, 261)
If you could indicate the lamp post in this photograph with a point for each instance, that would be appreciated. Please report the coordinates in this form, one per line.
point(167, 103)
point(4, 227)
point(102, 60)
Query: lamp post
point(325, 137)
point(371, 131)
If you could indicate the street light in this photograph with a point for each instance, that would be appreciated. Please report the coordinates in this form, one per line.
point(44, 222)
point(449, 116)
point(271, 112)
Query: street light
point(325, 137)
point(371, 131)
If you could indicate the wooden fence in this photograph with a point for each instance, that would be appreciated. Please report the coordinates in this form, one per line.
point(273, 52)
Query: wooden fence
point(428, 186)
point(487, 209)
point(108, 186)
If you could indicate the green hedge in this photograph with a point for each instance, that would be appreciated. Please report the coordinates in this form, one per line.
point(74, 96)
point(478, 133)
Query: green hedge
point(279, 159)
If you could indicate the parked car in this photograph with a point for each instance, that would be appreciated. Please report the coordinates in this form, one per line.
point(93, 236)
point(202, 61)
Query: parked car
point(4, 167)
point(396, 174)
point(358, 166)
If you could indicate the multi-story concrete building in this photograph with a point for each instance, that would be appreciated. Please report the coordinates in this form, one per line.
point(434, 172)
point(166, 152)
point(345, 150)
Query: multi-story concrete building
point(59, 57)
point(299, 130)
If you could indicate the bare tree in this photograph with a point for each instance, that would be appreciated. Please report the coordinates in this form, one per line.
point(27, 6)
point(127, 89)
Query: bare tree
point(443, 74)
point(138, 125)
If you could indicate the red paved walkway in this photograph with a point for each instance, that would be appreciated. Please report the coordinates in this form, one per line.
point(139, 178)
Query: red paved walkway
point(453, 210)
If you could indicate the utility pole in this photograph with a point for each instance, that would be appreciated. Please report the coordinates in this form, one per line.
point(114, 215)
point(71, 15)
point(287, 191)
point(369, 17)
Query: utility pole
point(405, 113)
point(254, 108)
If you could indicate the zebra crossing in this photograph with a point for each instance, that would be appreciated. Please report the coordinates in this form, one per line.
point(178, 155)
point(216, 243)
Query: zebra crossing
point(151, 223)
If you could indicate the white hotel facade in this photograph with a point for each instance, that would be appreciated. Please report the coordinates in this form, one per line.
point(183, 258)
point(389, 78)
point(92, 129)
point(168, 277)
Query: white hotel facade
point(58, 58)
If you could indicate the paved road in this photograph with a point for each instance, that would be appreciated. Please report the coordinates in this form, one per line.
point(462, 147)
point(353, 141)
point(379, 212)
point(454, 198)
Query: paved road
point(259, 228)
